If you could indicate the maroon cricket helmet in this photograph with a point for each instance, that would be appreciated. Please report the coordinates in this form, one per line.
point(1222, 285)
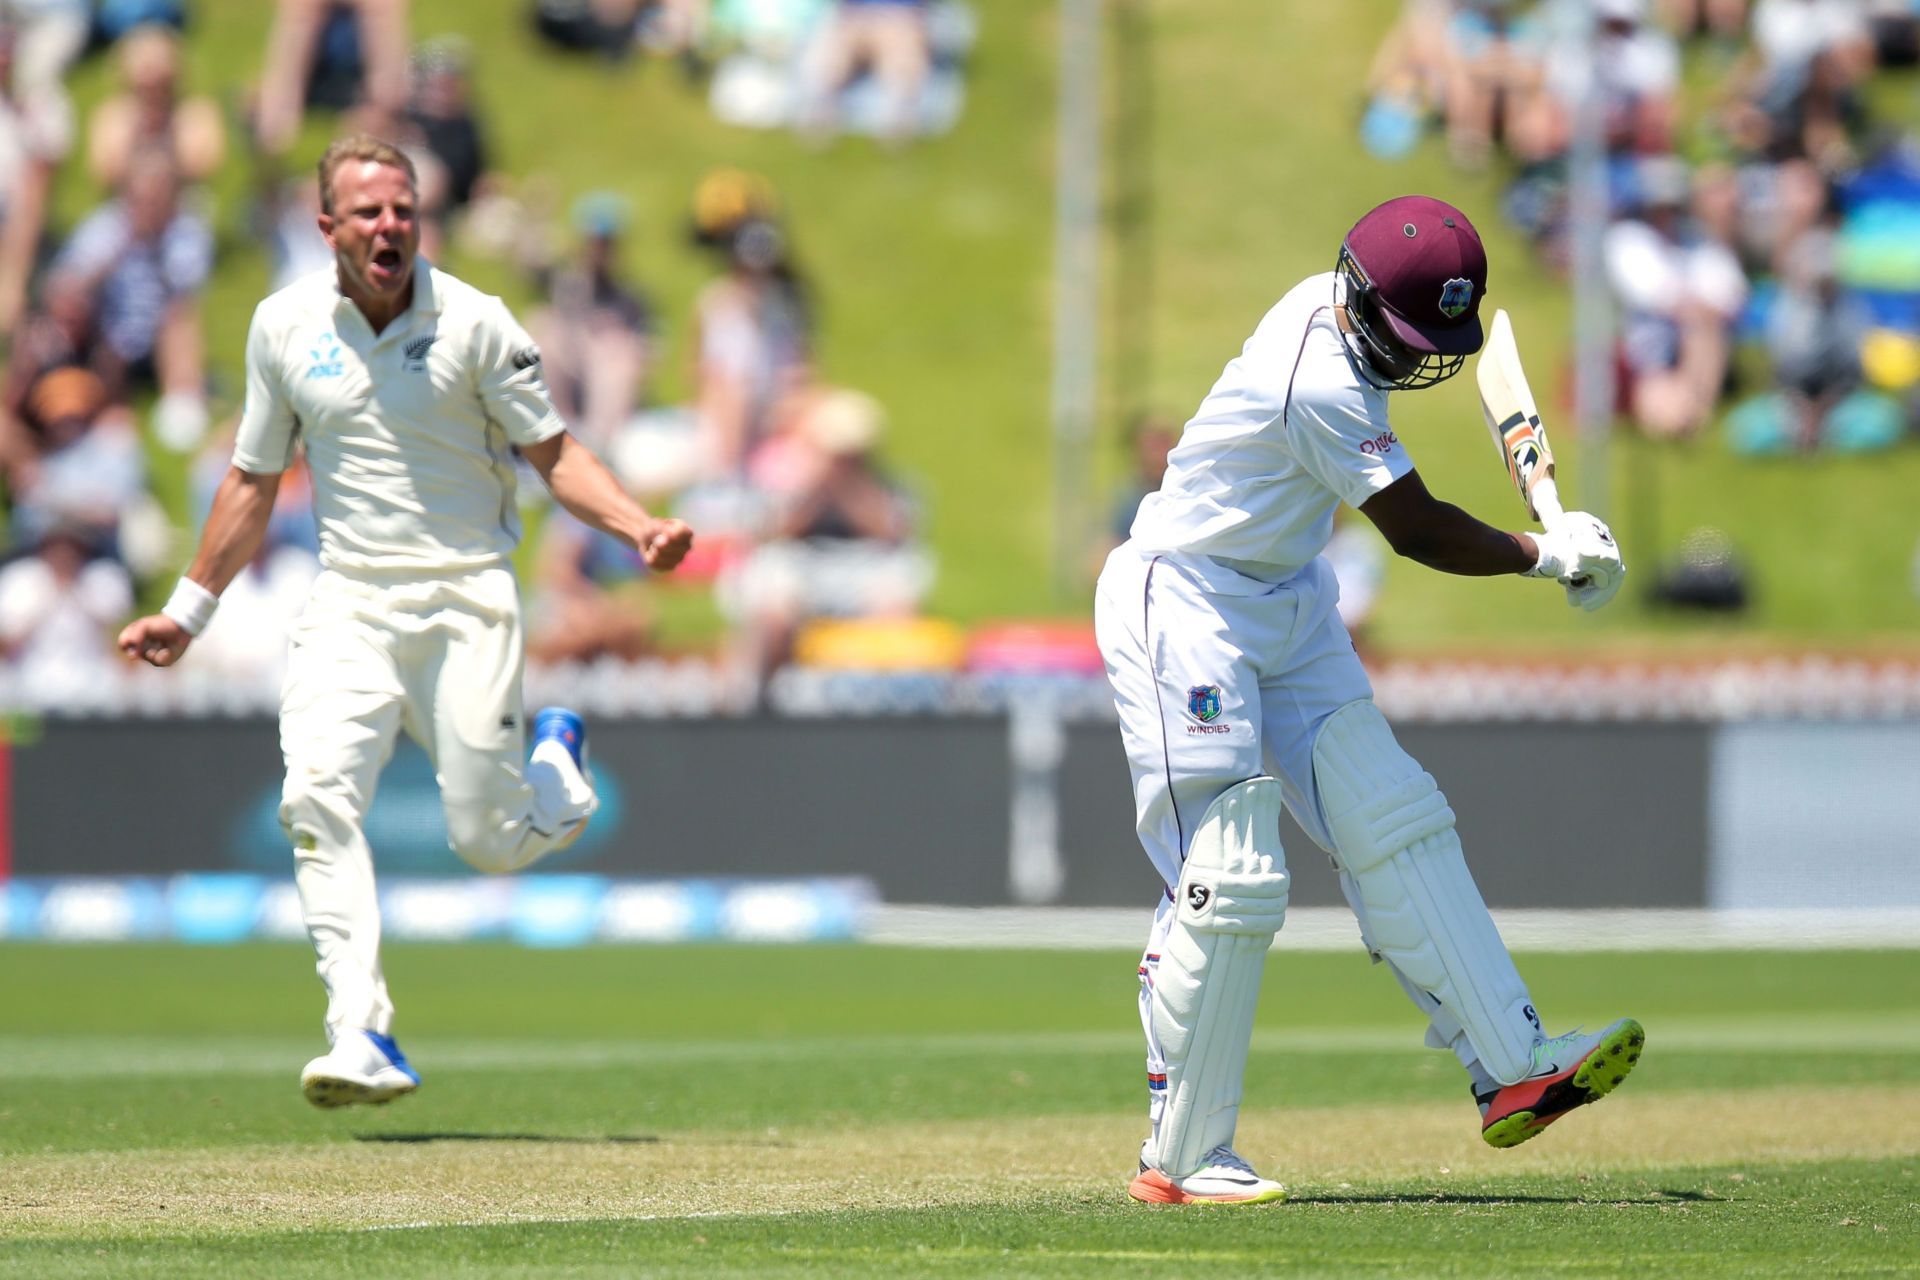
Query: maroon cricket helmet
point(1415, 267)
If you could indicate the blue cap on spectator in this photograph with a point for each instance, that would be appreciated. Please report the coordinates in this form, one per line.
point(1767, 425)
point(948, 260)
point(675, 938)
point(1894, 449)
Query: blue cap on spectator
point(600, 214)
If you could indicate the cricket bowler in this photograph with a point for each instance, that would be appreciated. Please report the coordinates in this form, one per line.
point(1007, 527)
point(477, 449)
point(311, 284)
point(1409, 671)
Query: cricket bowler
point(410, 392)
point(1239, 691)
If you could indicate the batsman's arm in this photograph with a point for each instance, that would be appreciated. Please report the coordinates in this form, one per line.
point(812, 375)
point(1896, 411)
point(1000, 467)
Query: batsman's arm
point(236, 526)
point(1441, 536)
point(582, 484)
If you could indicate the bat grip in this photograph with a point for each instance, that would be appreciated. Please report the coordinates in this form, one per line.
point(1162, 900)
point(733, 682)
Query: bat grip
point(1548, 511)
point(1544, 498)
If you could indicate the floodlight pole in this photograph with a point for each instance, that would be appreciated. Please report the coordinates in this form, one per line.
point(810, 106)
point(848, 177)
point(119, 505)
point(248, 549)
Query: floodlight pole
point(1076, 286)
point(1593, 391)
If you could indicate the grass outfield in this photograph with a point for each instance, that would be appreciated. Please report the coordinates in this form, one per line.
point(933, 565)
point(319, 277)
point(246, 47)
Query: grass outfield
point(863, 1111)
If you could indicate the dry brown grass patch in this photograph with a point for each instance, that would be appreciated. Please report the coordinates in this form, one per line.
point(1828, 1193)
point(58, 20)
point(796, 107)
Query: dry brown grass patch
point(372, 1185)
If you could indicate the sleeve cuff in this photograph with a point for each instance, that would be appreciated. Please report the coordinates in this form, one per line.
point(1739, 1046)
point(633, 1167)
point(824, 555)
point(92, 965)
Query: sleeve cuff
point(254, 466)
point(545, 429)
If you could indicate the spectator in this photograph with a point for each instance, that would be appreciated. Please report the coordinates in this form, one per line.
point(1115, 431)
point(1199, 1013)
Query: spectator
point(1895, 25)
point(839, 538)
point(1799, 82)
point(35, 133)
point(145, 259)
point(47, 37)
point(149, 112)
point(331, 54)
point(74, 459)
point(1789, 34)
point(726, 199)
point(675, 29)
point(441, 114)
point(587, 599)
point(57, 611)
point(752, 345)
point(1814, 336)
point(605, 27)
point(595, 333)
point(1825, 120)
point(888, 40)
point(286, 222)
point(1723, 20)
point(114, 20)
point(1407, 82)
point(61, 331)
point(1637, 67)
point(1495, 63)
point(1679, 293)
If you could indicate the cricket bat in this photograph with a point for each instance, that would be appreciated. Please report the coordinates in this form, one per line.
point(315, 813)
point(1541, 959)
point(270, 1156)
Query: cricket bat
point(1507, 404)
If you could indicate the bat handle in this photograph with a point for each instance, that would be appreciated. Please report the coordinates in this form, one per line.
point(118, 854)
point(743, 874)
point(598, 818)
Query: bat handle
point(1545, 499)
point(1547, 509)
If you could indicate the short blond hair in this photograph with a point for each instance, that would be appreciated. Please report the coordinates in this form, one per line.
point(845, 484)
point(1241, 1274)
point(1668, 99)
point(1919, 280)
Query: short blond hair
point(360, 146)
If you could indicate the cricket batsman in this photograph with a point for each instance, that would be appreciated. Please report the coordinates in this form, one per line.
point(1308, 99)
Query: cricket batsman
point(1239, 691)
point(410, 391)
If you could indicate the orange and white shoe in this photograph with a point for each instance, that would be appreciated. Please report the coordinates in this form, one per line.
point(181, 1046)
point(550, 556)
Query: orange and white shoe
point(1569, 1071)
point(1224, 1179)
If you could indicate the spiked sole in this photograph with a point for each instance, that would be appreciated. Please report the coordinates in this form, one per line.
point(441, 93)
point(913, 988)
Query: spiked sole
point(336, 1091)
point(1154, 1187)
point(1591, 1079)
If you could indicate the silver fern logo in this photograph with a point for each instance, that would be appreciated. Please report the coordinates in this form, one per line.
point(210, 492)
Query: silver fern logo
point(417, 352)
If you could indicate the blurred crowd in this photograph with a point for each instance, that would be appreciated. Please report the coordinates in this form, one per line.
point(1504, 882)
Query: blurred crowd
point(108, 387)
point(890, 69)
point(1763, 218)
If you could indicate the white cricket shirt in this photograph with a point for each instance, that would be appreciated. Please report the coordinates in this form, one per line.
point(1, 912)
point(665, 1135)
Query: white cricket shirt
point(407, 433)
point(1290, 431)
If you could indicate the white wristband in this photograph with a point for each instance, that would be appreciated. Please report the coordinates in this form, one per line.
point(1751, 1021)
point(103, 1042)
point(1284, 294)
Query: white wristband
point(191, 605)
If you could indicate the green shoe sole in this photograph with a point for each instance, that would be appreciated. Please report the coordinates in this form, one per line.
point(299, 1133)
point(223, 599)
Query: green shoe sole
point(1597, 1075)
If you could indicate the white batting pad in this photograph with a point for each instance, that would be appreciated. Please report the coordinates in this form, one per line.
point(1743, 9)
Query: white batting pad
point(1394, 838)
point(1232, 899)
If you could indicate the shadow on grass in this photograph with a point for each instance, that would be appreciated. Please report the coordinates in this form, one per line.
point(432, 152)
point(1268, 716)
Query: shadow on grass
point(570, 1139)
point(1652, 1199)
point(577, 1139)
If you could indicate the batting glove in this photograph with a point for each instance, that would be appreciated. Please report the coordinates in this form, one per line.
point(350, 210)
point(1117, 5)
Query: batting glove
point(1580, 554)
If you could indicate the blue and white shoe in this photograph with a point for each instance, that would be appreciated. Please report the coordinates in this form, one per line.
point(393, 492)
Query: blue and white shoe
point(557, 724)
point(362, 1066)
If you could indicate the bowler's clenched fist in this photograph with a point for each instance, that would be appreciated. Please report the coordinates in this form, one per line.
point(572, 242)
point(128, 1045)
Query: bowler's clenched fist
point(666, 544)
point(155, 638)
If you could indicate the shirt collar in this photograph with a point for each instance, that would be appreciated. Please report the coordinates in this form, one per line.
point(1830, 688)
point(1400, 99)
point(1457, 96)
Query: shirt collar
point(426, 296)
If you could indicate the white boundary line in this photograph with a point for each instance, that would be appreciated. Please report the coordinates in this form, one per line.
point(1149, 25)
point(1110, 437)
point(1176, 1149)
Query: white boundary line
point(1333, 929)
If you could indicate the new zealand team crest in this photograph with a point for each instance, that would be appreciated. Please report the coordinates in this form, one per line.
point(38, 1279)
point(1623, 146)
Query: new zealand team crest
point(1203, 701)
point(1456, 295)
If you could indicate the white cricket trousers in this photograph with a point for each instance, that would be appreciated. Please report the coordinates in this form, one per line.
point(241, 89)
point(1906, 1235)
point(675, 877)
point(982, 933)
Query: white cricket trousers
point(1219, 677)
point(439, 657)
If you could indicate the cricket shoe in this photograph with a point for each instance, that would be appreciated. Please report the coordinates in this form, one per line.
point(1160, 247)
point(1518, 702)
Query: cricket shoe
point(1568, 1071)
point(1223, 1179)
point(362, 1066)
point(557, 724)
point(567, 731)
